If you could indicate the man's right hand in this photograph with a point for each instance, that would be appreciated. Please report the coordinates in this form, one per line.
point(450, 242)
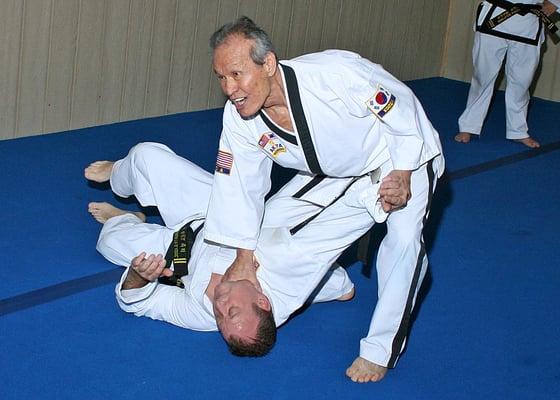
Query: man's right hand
point(548, 8)
point(143, 270)
point(243, 267)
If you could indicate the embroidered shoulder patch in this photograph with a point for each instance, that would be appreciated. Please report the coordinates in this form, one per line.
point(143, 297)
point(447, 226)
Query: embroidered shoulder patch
point(224, 162)
point(381, 102)
point(270, 144)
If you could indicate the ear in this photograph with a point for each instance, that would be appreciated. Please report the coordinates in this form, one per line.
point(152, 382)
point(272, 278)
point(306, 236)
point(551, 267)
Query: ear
point(263, 302)
point(270, 64)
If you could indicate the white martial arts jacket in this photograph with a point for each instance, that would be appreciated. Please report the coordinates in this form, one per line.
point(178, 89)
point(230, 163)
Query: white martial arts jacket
point(287, 274)
point(526, 29)
point(357, 116)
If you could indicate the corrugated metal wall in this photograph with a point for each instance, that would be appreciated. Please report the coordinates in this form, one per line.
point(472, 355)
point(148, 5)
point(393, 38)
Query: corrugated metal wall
point(66, 64)
point(458, 60)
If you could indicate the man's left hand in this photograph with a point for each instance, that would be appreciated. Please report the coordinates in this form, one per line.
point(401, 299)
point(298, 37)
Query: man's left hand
point(394, 191)
point(548, 8)
point(244, 267)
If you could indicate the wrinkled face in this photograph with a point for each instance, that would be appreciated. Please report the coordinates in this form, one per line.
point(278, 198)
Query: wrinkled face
point(244, 82)
point(233, 309)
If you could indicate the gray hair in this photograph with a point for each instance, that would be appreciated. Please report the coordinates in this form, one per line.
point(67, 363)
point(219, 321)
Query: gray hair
point(244, 26)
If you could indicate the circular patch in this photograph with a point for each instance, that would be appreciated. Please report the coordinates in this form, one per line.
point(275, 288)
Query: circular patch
point(380, 98)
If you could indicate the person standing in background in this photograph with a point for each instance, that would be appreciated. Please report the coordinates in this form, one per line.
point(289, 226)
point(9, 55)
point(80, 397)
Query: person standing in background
point(512, 29)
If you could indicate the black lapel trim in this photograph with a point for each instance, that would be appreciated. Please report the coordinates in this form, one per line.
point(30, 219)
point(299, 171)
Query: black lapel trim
point(300, 120)
point(281, 133)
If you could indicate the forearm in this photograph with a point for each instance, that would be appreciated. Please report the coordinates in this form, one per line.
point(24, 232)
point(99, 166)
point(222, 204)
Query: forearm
point(133, 280)
point(245, 256)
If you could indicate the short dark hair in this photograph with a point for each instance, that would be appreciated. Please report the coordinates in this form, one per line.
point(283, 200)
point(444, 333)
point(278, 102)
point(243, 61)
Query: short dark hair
point(244, 26)
point(264, 340)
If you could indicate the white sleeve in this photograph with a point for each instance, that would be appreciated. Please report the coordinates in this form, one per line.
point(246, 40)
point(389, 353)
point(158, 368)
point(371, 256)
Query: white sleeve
point(372, 92)
point(241, 181)
point(165, 303)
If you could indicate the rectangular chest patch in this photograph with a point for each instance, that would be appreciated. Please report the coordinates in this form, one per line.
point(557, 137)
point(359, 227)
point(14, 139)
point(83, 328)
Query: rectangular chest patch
point(224, 162)
point(381, 102)
point(269, 143)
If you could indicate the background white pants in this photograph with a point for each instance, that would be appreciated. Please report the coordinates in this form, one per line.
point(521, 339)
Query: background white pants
point(521, 63)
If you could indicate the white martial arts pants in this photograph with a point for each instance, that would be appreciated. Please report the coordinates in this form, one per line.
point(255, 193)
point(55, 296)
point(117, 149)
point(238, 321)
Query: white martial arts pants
point(180, 190)
point(521, 63)
point(401, 260)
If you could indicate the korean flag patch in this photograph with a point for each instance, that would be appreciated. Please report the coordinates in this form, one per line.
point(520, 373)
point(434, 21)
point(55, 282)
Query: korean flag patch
point(381, 102)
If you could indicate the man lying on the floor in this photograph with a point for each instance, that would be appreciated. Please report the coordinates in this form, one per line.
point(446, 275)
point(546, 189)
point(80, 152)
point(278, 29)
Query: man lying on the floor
point(290, 267)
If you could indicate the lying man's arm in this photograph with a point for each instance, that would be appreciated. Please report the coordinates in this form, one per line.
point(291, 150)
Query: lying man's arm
point(145, 270)
point(139, 292)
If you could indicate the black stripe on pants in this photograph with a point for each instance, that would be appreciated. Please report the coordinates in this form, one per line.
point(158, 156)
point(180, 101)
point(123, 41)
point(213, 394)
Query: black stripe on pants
point(402, 332)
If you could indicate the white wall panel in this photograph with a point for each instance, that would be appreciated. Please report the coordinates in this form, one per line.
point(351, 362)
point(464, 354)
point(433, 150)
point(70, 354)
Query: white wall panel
point(62, 39)
point(86, 88)
point(32, 83)
point(139, 39)
point(10, 50)
point(66, 64)
point(113, 59)
point(182, 59)
point(160, 58)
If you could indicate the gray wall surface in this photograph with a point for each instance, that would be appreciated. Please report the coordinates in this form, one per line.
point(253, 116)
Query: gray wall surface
point(67, 64)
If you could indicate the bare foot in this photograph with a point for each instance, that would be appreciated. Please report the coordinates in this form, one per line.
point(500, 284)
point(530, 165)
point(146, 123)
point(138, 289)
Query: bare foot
point(347, 296)
point(103, 211)
point(363, 371)
point(463, 137)
point(529, 142)
point(99, 171)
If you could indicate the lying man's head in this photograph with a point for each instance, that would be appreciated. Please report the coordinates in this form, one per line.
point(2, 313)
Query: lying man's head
point(244, 317)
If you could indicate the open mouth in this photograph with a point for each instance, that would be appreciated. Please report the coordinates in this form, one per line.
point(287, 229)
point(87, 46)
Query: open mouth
point(239, 102)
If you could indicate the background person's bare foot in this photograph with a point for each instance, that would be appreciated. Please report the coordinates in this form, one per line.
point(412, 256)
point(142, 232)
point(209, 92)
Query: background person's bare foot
point(347, 296)
point(99, 171)
point(529, 142)
point(103, 211)
point(363, 371)
point(463, 137)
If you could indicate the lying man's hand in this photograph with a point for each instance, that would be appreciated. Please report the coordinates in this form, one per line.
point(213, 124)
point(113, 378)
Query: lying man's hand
point(143, 270)
point(394, 191)
point(548, 8)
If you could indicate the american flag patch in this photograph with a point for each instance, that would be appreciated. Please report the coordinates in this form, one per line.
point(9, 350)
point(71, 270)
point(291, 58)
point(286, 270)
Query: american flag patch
point(224, 162)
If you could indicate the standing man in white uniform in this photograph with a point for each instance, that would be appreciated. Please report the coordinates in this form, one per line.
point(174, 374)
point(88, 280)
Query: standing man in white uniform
point(329, 114)
point(198, 297)
point(503, 27)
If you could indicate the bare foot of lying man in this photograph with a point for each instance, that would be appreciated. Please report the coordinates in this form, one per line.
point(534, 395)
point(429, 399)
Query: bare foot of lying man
point(103, 211)
point(99, 171)
point(363, 371)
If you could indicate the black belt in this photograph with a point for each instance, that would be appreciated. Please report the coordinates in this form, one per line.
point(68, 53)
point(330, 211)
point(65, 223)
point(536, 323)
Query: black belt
point(522, 9)
point(179, 253)
point(310, 185)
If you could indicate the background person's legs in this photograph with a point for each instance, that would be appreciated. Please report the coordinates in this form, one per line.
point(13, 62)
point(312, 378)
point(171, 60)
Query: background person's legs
point(521, 64)
point(488, 54)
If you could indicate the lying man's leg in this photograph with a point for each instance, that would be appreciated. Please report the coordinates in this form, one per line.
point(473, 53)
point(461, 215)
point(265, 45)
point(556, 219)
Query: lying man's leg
point(158, 177)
